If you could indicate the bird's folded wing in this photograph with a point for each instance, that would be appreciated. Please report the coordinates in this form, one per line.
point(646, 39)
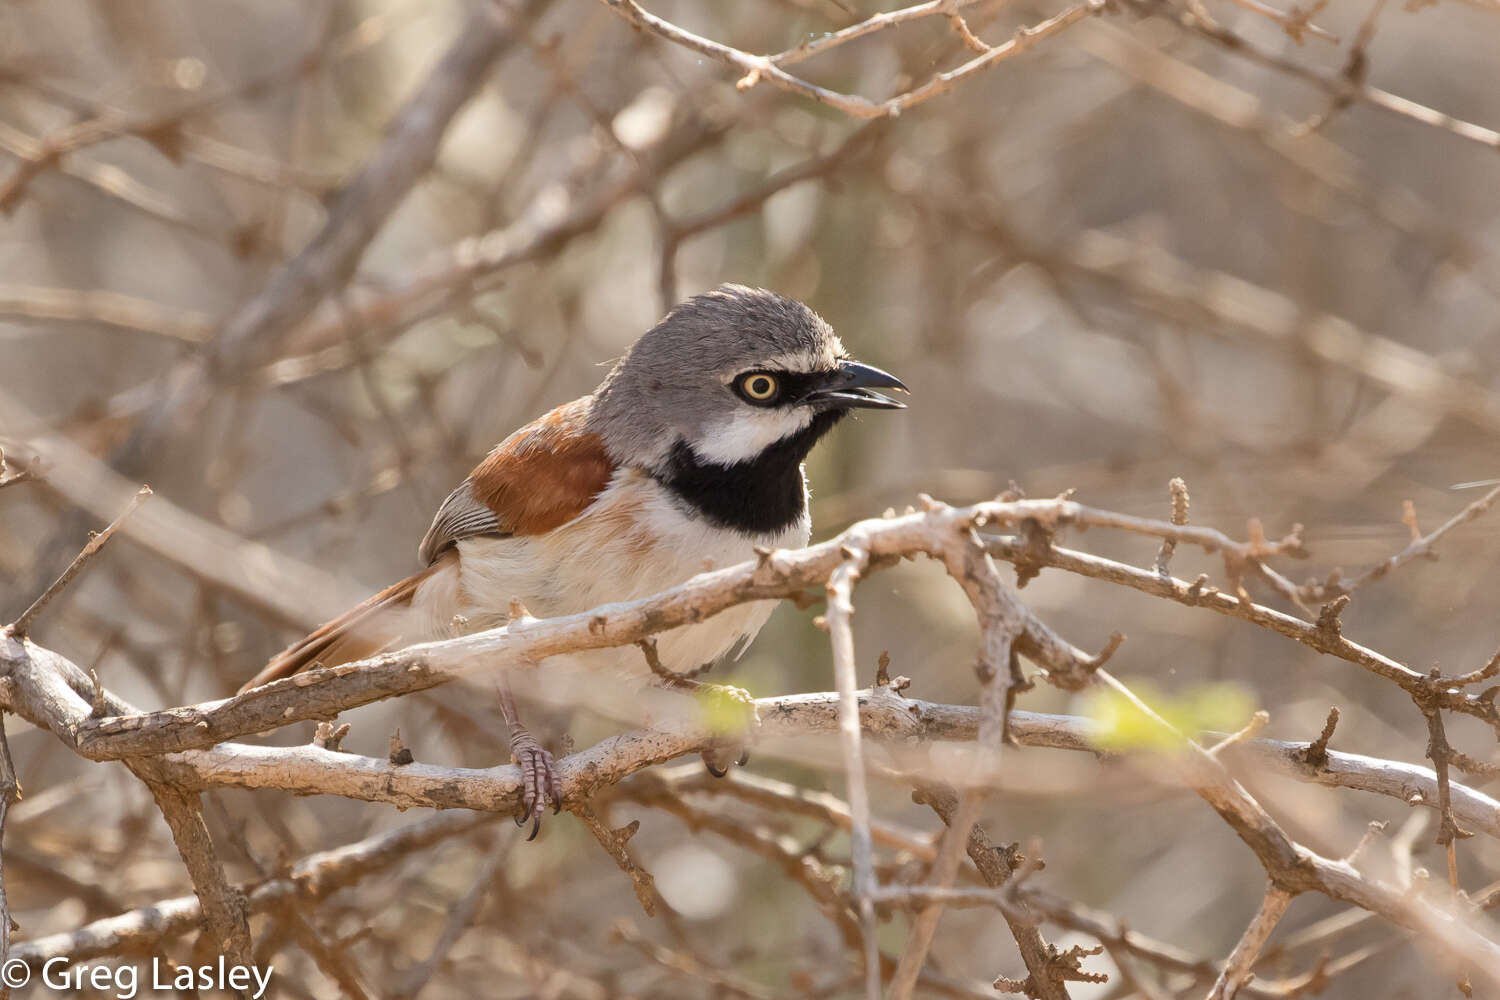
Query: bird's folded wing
point(539, 478)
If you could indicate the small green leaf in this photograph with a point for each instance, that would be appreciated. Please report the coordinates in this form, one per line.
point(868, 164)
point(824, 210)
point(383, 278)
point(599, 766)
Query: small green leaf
point(1123, 726)
point(727, 711)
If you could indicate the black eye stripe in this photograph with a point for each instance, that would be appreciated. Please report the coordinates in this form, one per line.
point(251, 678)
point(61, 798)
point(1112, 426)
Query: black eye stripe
point(791, 387)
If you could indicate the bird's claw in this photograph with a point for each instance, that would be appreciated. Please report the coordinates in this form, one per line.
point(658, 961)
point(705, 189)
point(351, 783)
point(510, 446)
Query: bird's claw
point(731, 716)
point(538, 780)
point(718, 758)
point(714, 767)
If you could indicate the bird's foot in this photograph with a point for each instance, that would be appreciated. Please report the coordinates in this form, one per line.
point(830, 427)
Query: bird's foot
point(718, 758)
point(538, 779)
point(731, 717)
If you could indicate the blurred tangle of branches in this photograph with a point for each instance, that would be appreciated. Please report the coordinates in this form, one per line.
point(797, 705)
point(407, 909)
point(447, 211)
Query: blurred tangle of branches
point(245, 256)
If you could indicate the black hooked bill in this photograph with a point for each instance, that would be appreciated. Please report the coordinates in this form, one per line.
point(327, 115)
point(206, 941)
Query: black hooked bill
point(853, 385)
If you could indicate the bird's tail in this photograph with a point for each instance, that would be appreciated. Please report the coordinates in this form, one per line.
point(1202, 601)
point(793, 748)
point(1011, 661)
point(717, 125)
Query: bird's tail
point(384, 621)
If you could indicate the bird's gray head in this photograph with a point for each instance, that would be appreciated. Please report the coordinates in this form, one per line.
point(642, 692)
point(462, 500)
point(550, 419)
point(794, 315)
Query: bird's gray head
point(730, 374)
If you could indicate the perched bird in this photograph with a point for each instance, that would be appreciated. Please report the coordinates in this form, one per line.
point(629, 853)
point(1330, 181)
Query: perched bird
point(689, 454)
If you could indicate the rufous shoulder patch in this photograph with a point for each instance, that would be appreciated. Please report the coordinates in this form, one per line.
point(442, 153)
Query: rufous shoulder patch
point(546, 473)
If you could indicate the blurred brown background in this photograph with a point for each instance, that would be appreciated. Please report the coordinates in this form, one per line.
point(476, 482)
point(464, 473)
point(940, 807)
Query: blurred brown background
point(1127, 254)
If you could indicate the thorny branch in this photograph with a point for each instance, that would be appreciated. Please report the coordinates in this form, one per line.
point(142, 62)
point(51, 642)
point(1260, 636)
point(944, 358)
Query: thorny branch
point(769, 68)
point(1192, 15)
point(996, 865)
point(1420, 547)
point(1237, 969)
point(182, 751)
point(840, 609)
point(309, 880)
point(23, 621)
point(302, 315)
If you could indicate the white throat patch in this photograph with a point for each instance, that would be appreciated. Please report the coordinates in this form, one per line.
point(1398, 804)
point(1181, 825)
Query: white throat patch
point(749, 432)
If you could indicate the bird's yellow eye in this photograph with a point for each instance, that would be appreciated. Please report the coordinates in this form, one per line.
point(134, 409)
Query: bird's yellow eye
point(759, 387)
